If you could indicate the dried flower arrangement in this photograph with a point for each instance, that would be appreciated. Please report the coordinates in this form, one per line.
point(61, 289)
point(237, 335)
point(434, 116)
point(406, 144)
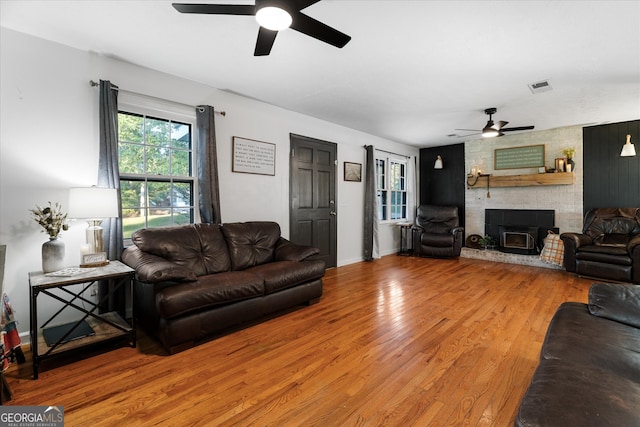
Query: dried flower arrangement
point(51, 218)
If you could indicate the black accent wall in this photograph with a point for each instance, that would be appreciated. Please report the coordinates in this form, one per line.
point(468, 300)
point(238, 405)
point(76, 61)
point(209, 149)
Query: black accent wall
point(611, 180)
point(446, 186)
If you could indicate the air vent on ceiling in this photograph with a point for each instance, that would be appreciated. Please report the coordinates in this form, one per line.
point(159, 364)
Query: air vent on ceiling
point(542, 86)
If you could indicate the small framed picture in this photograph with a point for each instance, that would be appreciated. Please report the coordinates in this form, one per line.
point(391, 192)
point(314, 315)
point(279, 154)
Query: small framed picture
point(94, 260)
point(352, 172)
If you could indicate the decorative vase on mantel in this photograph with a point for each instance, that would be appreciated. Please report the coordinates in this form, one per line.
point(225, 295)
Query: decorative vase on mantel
point(572, 163)
point(52, 255)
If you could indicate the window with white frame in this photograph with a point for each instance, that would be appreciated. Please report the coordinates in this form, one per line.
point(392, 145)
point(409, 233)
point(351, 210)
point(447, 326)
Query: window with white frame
point(155, 158)
point(391, 179)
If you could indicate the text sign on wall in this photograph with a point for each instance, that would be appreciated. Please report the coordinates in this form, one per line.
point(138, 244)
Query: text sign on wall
point(251, 156)
point(531, 156)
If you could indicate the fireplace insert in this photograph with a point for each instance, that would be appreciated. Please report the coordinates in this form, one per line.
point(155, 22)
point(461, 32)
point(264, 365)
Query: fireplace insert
point(520, 231)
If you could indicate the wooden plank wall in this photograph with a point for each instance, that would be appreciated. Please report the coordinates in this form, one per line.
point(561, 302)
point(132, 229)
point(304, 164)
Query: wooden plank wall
point(611, 180)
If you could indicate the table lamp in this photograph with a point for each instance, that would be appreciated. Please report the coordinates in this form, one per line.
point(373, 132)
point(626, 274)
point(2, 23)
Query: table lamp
point(94, 204)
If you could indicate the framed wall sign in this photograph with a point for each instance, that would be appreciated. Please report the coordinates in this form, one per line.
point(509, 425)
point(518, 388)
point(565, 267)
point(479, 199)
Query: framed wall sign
point(251, 156)
point(352, 172)
point(530, 156)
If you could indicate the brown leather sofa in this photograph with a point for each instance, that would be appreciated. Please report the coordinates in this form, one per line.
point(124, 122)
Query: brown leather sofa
point(437, 232)
point(199, 280)
point(608, 247)
point(589, 371)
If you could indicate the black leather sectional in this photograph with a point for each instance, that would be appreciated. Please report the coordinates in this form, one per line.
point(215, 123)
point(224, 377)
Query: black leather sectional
point(589, 371)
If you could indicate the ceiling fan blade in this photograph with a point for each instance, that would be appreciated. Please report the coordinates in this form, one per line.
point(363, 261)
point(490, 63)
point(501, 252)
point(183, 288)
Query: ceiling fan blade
point(470, 134)
point(301, 4)
point(318, 30)
point(516, 128)
point(264, 42)
point(470, 130)
point(499, 125)
point(215, 9)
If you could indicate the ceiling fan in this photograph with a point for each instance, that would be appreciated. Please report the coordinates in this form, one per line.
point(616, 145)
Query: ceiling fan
point(492, 129)
point(273, 16)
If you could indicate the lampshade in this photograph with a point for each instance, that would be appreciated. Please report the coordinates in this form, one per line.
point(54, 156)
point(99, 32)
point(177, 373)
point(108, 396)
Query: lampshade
point(93, 202)
point(273, 18)
point(438, 164)
point(628, 149)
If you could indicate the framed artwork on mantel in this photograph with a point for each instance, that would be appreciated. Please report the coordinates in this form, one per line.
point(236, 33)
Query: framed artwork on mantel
point(250, 156)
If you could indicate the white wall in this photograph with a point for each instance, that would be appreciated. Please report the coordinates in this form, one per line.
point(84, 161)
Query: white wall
point(49, 143)
point(566, 200)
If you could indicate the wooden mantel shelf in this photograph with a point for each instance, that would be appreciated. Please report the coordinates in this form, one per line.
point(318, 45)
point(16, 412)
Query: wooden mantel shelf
point(532, 180)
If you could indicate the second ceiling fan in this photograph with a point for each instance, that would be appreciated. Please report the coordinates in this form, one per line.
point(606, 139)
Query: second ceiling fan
point(492, 129)
point(273, 16)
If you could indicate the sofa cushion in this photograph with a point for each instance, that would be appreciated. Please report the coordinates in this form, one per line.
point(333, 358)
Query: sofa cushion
point(208, 291)
point(613, 239)
point(198, 247)
point(215, 254)
point(437, 239)
point(608, 254)
point(285, 274)
point(251, 243)
point(617, 302)
point(576, 337)
point(154, 269)
point(563, 394)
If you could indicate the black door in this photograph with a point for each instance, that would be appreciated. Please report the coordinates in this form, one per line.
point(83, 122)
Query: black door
point(312, 195)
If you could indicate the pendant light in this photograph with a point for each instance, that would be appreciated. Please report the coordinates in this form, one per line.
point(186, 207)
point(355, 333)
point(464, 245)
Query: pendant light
point(628, 149)
point(438, 164)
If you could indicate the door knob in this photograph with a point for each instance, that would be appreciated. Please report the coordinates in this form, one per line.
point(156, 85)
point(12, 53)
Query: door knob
point(333, 213)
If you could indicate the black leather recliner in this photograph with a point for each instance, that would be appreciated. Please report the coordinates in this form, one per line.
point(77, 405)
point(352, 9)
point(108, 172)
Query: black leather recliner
point(608, 247)
point(437, 232)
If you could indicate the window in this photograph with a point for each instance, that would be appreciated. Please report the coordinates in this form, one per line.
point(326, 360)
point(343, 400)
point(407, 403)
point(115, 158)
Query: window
point(156, 179)
point(391, 178)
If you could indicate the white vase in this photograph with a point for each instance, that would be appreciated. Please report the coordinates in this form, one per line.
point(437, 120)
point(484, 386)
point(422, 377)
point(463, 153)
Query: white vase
point(52, 255)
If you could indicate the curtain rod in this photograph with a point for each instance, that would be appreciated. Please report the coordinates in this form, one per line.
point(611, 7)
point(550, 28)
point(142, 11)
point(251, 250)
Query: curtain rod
point(389, 152)
point(95, 84)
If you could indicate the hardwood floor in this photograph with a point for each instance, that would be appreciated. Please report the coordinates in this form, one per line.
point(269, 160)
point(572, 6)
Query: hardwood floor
point(396, 342)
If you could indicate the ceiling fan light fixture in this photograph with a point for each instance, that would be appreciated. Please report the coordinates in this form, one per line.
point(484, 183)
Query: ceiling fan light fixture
point(273, 18)
point(489, 131)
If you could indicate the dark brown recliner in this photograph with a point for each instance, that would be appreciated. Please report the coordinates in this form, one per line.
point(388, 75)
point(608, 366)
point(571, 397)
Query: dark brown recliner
point(608, 247)
point(437, 232)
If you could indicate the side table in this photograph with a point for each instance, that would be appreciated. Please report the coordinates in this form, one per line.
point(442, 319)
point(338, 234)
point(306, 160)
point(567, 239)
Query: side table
point(405, 238)
point(107, 326)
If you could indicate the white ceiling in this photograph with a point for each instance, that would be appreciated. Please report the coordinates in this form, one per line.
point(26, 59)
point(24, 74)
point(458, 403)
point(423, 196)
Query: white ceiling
point(413, 72)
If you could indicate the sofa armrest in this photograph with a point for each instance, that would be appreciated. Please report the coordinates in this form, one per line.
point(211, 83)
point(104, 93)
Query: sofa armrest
point(616, 301)
point(633, 244)
point(571, 242)
point(288, 251)
point(576, 239)
point(154, 269)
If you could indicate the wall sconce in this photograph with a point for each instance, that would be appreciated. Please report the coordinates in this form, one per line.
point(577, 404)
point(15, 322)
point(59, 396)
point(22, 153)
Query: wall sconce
point(438, 164)
point(628, 149)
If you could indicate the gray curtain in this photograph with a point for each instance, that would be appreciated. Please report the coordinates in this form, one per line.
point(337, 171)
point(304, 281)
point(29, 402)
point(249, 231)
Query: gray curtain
point(108, 172)
point(207, 166)
point(370, 211)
